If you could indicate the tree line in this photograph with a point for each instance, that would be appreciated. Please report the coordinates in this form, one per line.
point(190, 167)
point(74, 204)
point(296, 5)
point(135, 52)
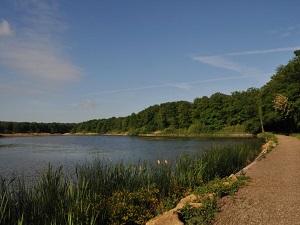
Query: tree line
point(237, 112)
point(32, 127)
point(273, 107)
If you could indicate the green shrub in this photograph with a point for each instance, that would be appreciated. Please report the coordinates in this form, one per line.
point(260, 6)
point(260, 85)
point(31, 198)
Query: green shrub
point(202, 215)
point(133, 207)
point(268, 136)
point(234, 129)
point(296, 135)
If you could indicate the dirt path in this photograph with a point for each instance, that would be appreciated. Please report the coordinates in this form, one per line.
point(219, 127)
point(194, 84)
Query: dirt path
point(273, 195)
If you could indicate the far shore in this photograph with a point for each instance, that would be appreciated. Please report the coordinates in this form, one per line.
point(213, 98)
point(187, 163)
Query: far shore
point(46, 134)
point(126, 134)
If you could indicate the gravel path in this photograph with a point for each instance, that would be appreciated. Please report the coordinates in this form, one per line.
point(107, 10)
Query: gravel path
point(273, 195)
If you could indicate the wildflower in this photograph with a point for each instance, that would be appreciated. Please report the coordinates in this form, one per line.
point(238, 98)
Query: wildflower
point(158, 162)
point(166, 162)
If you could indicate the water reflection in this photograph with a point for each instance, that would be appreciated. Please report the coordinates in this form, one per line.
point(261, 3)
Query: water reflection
point(27, 155)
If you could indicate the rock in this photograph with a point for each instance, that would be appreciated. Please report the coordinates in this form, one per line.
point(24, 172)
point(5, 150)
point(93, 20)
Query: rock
point(186, 200)
point(210, 196)
point(168, 218)
point(226, 183)
point(195, 204)
point(233, 178)
point(171, 217)
point(272, 144)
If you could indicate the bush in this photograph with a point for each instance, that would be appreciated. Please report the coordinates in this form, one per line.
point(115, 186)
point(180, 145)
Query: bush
point(135, 207)
point(267, 136)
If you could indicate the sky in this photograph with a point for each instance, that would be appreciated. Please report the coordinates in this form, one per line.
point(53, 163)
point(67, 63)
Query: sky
point(73, 61)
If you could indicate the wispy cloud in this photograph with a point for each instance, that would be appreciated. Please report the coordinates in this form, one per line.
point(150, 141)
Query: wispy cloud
point(262, 51)
point(9, 90)
point(183, 85)
point(34, 51)
point(287, 31)
point(88, 103)
point(226, 60)
point(226, 63)
point(221, 61)
point(5, 29)
point(127, 90)
point(228, 78)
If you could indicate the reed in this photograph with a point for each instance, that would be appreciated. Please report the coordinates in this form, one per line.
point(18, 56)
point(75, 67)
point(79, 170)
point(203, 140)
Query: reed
point(108, 193)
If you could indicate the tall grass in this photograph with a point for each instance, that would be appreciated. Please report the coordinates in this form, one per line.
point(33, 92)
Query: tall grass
point(107, 193)
point(296, 135)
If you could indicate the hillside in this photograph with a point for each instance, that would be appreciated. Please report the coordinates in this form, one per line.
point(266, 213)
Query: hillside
point(273, 107)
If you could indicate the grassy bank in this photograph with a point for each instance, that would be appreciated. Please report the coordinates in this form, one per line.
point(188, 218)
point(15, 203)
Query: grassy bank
point(296, 135)
point(155, 134)
point(102, 193)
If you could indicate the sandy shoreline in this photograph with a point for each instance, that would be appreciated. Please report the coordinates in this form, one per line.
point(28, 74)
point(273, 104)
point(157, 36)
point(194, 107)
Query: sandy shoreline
point(122, 134)
point(46, 134)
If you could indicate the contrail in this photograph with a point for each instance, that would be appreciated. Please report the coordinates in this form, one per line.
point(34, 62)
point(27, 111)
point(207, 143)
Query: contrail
point(261, 51)
point(178, 85)
point(129, 89)
point(228, 78)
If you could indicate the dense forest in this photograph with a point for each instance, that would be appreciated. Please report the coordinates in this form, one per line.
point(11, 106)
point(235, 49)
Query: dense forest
point(273, 107)
point(27, 127)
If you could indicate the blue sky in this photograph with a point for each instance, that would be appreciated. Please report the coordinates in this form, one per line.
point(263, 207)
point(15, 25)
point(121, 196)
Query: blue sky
point(72, 61)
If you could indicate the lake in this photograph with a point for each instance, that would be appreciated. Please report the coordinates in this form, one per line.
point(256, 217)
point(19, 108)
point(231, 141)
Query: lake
point(28, 156)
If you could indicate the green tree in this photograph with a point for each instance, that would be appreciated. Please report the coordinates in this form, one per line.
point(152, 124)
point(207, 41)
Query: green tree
point(183, 117)
point(285, 82)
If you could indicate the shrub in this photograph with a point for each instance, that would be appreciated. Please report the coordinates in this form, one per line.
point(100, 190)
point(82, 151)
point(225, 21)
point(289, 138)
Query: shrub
point(135, 207)
point(268, 136)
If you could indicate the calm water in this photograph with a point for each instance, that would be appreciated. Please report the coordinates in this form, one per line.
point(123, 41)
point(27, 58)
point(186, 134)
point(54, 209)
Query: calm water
point(29, 155)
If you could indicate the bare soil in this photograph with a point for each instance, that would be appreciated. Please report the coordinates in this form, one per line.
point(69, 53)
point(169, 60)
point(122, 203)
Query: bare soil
point(273, 194)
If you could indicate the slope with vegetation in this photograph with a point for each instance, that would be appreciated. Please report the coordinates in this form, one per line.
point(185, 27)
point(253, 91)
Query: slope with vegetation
point(274, 107)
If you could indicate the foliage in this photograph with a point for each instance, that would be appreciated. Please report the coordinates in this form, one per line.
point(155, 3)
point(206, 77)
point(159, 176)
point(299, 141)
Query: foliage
point(202, 215)
point(280, 97)
point(268, 136)
point(134, 207)
point(222, 187)
point(204, 115)
point(296, 135)
point(281, 104)
point(210, 192)
point(26, 127)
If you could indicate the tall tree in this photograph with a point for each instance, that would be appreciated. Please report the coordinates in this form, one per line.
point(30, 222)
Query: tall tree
point(285, 83)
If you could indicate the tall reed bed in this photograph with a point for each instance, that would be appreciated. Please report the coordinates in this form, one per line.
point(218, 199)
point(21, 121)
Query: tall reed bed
point(107, 193)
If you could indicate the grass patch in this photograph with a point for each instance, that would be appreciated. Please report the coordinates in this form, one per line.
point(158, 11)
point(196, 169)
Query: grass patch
point(267, 136)
point(296, 135)
point(210, 193)
point(101, 193)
